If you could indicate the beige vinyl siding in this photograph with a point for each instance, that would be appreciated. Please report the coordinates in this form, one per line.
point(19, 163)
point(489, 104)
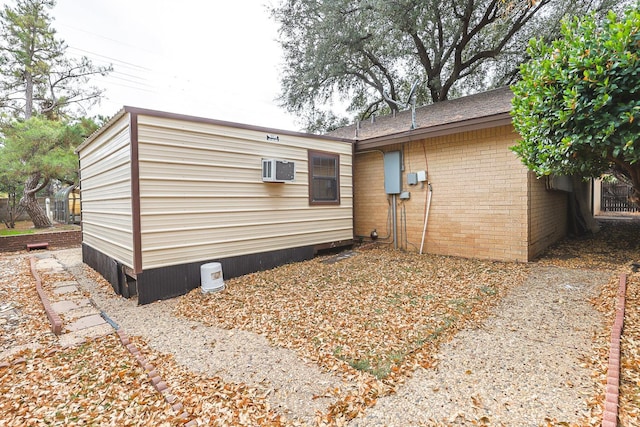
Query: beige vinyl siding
point(202, 195)
point(105, 168)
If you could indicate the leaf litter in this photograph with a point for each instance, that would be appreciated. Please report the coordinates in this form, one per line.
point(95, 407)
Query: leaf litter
point(96, 383)
point(377, 316)
point(372, 318)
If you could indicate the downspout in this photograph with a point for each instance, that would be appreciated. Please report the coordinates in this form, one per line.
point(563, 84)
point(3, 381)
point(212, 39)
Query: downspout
point(426, 216)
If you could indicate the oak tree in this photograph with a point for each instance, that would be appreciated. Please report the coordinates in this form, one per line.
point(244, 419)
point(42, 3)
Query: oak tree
point(370, 53)
point(41, 150)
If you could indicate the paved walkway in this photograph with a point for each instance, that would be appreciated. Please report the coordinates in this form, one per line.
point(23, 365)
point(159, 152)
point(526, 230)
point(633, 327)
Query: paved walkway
point(81, 319)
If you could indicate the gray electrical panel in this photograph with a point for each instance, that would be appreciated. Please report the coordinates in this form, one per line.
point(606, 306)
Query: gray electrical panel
point(393, 172)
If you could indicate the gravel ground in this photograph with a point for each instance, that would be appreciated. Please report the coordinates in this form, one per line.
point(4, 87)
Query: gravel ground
point(522, 366)
point(294, 387)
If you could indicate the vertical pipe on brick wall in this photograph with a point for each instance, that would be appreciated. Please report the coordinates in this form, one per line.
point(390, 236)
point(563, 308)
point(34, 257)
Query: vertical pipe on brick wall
point(426, 216)
point(394, 216)
point(390, 207)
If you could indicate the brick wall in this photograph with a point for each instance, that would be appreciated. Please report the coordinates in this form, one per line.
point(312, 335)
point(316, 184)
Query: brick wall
point(371, 204)
point(479, 205)
point(547, 215)
point(56, 240)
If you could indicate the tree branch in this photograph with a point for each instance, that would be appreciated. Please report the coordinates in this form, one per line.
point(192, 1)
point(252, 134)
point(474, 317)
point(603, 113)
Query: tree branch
point(38, 188)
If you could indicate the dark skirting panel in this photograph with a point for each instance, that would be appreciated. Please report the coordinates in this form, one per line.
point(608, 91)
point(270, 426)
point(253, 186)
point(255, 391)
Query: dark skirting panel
point(110, 269)
point(168, 282)
point(106, 266)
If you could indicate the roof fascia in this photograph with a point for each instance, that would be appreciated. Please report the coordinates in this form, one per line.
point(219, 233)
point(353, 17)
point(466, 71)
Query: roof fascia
point(468, 125)
point(184, 117)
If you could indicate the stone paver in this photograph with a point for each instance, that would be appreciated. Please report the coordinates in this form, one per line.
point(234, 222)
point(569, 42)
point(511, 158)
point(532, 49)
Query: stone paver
point(78, 337)
point(70, 305)
point(86, 322)
point(65, 290)
point(50, 264)
point(82, 319)
point(64, 283)
point(79, 313)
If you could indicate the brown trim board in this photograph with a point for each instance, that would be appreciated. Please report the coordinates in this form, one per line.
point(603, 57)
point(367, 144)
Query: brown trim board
point(196, 119)
point(469, 125)
point(135, 193)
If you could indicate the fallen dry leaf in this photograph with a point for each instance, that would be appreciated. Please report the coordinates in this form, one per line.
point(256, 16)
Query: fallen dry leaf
point(95, 383)
point(373, 318)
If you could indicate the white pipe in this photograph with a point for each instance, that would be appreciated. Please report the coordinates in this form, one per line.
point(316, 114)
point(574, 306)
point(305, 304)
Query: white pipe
point(395, 222)
point(426, 217)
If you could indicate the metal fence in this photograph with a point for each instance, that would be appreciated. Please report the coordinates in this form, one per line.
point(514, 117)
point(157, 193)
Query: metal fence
point(615, 198)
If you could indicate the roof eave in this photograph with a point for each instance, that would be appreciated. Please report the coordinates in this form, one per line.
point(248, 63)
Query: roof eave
point(237, 125)
point(478, 123)
point(184, 117)
point(98, 131)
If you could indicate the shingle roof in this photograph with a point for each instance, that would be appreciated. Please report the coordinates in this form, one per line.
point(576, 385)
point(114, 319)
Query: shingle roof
point(493, 104)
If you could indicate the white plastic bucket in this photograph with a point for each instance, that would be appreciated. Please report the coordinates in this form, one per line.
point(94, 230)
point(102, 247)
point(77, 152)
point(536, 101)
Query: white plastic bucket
point(211, 279)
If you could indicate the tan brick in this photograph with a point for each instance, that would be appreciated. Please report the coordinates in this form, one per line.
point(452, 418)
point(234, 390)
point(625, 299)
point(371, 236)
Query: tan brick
point(485, 204)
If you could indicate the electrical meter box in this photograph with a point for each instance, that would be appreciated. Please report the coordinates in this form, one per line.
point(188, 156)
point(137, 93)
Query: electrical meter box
point(393, 172)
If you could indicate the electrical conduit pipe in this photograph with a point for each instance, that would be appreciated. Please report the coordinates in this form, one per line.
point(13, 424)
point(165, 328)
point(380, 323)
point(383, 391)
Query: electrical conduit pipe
point(426, 216)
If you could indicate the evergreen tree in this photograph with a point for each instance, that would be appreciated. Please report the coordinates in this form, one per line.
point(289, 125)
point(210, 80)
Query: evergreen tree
point(39, 87)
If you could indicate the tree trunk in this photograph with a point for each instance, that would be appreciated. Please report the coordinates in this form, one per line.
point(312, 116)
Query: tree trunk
point(28, 85)
point(13, 210)
point(30, 203)
point(634, 172)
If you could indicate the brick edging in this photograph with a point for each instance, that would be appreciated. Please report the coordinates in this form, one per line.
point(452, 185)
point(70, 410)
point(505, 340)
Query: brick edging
point(154, 377)
point(156, 381)
point(610, 414)
point(54, 318)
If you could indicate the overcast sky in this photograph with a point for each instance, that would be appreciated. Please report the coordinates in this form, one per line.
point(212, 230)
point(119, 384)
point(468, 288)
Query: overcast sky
point(215, 59)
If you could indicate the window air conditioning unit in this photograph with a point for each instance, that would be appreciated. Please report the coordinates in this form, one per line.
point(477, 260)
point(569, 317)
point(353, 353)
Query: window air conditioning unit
point(274, 170)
